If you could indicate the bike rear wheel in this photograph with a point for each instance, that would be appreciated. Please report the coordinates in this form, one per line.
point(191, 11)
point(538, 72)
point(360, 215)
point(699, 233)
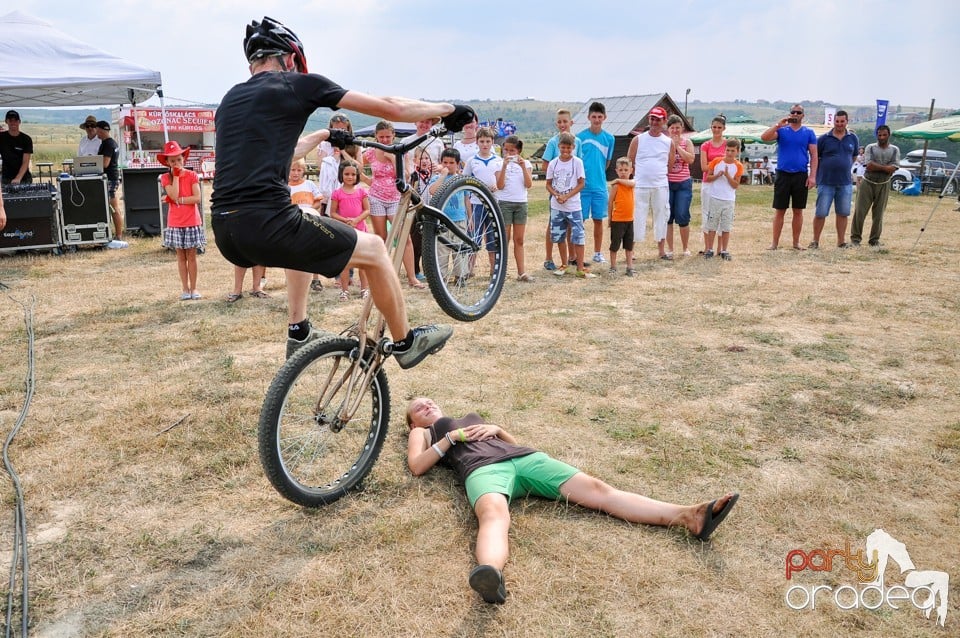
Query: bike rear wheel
point(310, 451)
point(466, 282)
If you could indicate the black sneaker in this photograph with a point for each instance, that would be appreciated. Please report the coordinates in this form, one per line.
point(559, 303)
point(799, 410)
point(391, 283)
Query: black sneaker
point(726, 256)
point(427, 340)
point(708, 254)
point(487, 581)
point(293, 344)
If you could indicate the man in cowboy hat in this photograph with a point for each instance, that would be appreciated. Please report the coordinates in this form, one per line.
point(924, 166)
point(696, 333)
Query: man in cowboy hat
point(111, 153)
point(90, 145)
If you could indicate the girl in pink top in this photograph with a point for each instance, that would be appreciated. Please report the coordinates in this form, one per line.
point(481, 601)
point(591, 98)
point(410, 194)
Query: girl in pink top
point(184, 231)
point(384, 195)
point(349, 204)
point(680, 183)
point(710, 151)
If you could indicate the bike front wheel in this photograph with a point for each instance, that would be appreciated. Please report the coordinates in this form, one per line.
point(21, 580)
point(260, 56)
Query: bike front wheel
point(313, 448)
point(466, 280)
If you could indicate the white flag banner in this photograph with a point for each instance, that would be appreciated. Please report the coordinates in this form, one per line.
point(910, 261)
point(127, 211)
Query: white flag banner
point(828, 114)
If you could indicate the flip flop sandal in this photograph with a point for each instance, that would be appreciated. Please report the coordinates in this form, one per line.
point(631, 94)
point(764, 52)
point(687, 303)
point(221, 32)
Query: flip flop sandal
point(259, 294)
point(711, 520)
point(234, 296)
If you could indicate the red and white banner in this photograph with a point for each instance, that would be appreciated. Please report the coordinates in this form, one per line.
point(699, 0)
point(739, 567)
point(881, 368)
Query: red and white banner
point(178, 120)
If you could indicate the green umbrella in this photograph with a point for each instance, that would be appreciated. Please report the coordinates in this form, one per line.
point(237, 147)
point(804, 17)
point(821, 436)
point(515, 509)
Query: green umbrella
point(747, 131)
point(946, 127)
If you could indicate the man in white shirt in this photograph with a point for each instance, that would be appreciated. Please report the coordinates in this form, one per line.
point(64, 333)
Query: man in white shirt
point(90, 145)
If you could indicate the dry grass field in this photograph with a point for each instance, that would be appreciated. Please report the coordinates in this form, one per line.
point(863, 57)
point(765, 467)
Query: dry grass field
point(821, 385)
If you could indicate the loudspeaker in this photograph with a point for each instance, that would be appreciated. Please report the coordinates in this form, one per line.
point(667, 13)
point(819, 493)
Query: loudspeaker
point(84, 210)
point(142, 207)
point(31, 222)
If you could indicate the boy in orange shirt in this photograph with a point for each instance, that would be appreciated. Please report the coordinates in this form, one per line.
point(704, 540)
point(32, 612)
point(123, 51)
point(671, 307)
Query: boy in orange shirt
point(620, 211)
point(724, 174)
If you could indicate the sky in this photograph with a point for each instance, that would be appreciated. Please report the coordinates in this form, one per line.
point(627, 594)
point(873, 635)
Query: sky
point(845, 52)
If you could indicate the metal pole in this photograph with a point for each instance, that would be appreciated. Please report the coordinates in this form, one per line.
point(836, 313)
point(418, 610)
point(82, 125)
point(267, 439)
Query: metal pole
point(926, 143)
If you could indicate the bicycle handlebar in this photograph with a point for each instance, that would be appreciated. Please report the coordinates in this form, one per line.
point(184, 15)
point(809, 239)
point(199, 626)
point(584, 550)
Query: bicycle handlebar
point(399, 148)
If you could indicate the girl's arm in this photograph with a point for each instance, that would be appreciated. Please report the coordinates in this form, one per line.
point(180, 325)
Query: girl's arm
point(501, 175)
point(420, 456)
point(685, 155)
point(366, 209)
point(332, 211)
point(527, 176)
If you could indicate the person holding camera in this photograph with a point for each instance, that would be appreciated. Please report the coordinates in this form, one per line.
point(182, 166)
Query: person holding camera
point(797, 148)
point(254, 221)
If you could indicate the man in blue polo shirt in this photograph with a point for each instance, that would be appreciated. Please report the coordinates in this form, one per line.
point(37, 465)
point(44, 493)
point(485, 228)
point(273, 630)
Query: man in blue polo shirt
point(797, 146)
point(837, 151)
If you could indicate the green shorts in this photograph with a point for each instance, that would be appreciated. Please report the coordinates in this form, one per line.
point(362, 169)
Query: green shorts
point(536, 474)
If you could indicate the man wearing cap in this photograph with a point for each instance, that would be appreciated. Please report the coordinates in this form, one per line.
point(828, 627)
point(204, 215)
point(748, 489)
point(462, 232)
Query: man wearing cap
point(111, 153)
point(651, 153)
point(90, 145)
point(16, 149)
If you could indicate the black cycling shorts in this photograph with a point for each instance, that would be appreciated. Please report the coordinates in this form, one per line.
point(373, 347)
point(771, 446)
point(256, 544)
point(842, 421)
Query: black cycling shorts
point(289, 238)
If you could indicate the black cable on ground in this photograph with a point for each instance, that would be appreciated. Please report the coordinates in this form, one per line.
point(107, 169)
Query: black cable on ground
point(20, 560)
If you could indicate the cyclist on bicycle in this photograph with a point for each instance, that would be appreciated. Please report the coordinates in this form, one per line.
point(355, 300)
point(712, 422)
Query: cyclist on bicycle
point(258, 124)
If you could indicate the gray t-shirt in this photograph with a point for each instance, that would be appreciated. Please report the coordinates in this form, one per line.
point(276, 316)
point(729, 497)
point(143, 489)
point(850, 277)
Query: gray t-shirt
point(889, 156)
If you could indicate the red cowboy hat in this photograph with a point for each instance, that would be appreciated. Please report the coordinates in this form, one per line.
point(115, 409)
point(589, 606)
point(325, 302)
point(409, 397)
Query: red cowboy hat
point(172, 149)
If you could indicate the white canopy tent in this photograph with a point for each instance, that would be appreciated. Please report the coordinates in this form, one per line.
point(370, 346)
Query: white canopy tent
point(47, 68)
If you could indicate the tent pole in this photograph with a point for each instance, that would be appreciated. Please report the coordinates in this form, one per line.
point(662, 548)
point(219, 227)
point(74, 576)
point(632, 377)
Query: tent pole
point(163, 115)
point(952, 179)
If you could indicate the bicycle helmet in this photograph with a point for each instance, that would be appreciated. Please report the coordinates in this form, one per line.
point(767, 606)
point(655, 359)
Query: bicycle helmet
point(270, 37)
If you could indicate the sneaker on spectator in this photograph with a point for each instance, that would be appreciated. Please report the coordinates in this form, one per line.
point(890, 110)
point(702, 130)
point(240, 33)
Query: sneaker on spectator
point(561, 271)
point(583, 274)
point(629, 272)
point(427, 340)
point(114, 244)
point(598, 258)
point(549, 265)
point(708, 254)
point(726, 256)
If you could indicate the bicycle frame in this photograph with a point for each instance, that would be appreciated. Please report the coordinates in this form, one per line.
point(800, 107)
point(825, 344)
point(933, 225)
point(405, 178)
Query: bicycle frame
point(409, 209)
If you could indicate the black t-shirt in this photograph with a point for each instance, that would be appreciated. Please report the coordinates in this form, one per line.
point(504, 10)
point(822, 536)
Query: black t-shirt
point(464, 458)
point(258, 124)
point(110, 148)
point(12, 150)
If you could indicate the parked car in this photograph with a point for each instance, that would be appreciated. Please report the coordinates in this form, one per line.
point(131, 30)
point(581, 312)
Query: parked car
point(935, 176)
point(913, 158)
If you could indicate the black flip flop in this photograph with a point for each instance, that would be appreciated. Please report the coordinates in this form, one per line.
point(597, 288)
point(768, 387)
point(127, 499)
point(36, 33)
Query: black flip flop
point(711, 521)
point(487, 581)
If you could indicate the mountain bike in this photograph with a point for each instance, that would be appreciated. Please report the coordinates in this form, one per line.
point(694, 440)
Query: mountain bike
point(326, 413)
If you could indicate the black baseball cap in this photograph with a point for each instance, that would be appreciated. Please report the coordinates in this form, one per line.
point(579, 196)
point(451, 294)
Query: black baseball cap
point(104, 125)
point(12, 115)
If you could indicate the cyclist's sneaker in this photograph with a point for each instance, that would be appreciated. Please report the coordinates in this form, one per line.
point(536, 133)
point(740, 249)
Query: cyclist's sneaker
point(427, 340)
point(487, 581)
point(293, 345)
point(549, 265)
